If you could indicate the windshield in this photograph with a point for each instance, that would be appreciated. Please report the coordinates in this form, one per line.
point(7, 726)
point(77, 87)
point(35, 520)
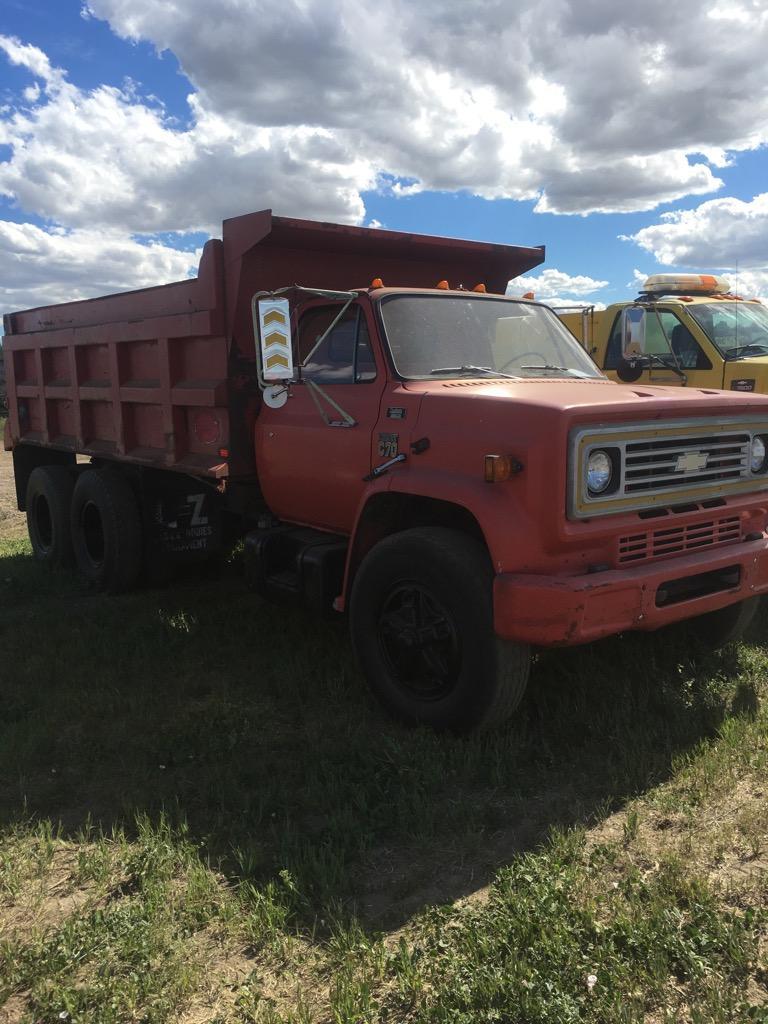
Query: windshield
point(474, 336)
point(737, 329)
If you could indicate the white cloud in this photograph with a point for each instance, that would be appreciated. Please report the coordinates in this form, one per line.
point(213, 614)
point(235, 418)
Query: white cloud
point(719, 234)
point(38, 267)
point(33, 59)
point(104, 158)
point(639, 278)
point(556, 287)
point(480, 96)
point(750, 284)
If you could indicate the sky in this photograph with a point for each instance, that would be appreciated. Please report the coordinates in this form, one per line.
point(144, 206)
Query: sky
point(628, 138)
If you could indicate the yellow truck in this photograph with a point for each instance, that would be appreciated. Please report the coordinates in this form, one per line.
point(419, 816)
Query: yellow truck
point(682, 329)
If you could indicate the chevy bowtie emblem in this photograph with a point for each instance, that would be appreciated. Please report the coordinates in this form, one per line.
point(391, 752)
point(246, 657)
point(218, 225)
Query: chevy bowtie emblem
point(691, 462)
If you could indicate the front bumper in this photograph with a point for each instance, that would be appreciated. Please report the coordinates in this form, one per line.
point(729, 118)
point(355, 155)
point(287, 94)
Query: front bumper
point(563, 610)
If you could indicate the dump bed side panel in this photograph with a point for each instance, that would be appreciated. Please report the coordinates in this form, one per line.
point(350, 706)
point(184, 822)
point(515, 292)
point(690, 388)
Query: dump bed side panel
point(142, 375)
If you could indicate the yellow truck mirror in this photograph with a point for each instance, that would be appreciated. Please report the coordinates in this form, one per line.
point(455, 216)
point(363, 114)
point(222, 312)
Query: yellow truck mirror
point(633, 332)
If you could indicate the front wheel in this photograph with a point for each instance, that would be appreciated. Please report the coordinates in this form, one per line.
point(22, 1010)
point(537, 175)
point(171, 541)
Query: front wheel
point(421, 616)
point(724, 626)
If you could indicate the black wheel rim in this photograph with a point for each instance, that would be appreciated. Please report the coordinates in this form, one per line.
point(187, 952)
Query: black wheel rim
point(41, 515)
point(420, 643)
point(92, 530)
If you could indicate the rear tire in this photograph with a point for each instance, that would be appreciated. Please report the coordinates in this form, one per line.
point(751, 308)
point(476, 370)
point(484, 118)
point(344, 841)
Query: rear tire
point(421, 616)
point(48, 500)
point(106, 530)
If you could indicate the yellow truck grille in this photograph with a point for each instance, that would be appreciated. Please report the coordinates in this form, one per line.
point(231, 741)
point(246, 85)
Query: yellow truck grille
point(676, 540)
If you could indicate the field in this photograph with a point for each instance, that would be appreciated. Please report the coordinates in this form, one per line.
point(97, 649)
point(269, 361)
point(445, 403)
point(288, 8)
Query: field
point(204, 818)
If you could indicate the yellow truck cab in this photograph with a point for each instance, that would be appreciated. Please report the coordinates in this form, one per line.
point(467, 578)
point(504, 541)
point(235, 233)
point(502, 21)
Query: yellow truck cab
point(682, 329)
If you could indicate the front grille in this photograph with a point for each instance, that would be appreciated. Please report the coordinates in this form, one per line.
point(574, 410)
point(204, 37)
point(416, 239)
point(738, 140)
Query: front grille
point(654, 465)
point(675, 540)
point(666, 465)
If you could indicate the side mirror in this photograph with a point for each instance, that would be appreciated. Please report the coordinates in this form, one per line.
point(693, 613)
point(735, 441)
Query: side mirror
point(632, 332)
point(274, 349)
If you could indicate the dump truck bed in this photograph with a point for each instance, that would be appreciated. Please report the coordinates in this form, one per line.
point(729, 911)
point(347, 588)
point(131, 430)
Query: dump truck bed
point(166, 377)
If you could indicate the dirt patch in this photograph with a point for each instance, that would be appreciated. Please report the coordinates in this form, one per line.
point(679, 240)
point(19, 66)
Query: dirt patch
point(226, 971)
point(726, 842)
point(13, 1010)
point(47, 903)
point(238, 981)
point(13, 524)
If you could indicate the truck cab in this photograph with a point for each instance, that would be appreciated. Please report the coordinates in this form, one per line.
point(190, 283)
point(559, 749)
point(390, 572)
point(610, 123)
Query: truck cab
point(681, 330)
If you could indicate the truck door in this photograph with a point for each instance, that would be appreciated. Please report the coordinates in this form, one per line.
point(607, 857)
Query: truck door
point(670, 342)
point(313, 452)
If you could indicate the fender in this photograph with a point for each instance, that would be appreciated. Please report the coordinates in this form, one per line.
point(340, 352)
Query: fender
point(413, 496)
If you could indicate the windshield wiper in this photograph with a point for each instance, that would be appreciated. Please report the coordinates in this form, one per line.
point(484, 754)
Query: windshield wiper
point(547, 366)
point(753, 349)
point(469, 368)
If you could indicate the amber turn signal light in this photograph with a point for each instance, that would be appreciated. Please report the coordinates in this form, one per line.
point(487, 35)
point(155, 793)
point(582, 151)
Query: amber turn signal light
point(500, 467)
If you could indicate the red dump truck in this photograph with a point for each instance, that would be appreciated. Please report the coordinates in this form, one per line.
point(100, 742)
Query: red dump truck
point(394, 439)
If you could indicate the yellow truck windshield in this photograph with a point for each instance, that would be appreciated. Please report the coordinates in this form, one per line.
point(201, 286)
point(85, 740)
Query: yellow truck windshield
point(737, 329)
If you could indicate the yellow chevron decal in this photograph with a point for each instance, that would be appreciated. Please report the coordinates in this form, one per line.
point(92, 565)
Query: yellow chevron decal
point(276, 338)
point(274, 316)
point(277, 360)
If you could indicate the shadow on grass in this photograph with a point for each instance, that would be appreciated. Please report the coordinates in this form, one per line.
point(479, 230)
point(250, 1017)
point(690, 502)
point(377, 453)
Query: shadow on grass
point(251, 723)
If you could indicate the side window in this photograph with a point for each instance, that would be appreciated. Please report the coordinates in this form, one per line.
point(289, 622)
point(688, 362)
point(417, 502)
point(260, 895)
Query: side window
point(685, 347)
point(345, 355)
point(687, 350)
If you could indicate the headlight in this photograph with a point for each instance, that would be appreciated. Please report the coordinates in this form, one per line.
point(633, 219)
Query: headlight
point(600, 470)
point(757, 455)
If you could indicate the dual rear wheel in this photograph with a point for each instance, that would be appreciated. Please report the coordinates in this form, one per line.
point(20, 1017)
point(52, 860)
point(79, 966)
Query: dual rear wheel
point(90, 520)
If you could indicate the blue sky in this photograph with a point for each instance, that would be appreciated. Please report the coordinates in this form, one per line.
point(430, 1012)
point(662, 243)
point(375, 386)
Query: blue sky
point(625, 141)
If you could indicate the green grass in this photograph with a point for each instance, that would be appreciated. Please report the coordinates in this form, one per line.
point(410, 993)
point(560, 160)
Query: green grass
point(204, 817)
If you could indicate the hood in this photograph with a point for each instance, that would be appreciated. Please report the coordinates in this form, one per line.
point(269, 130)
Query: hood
point(589, 400)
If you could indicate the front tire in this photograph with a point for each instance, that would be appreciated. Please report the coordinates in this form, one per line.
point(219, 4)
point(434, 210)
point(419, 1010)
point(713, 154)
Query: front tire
point(106, 530)
point(421, 617)
point(48, 500)
point(724, 626)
